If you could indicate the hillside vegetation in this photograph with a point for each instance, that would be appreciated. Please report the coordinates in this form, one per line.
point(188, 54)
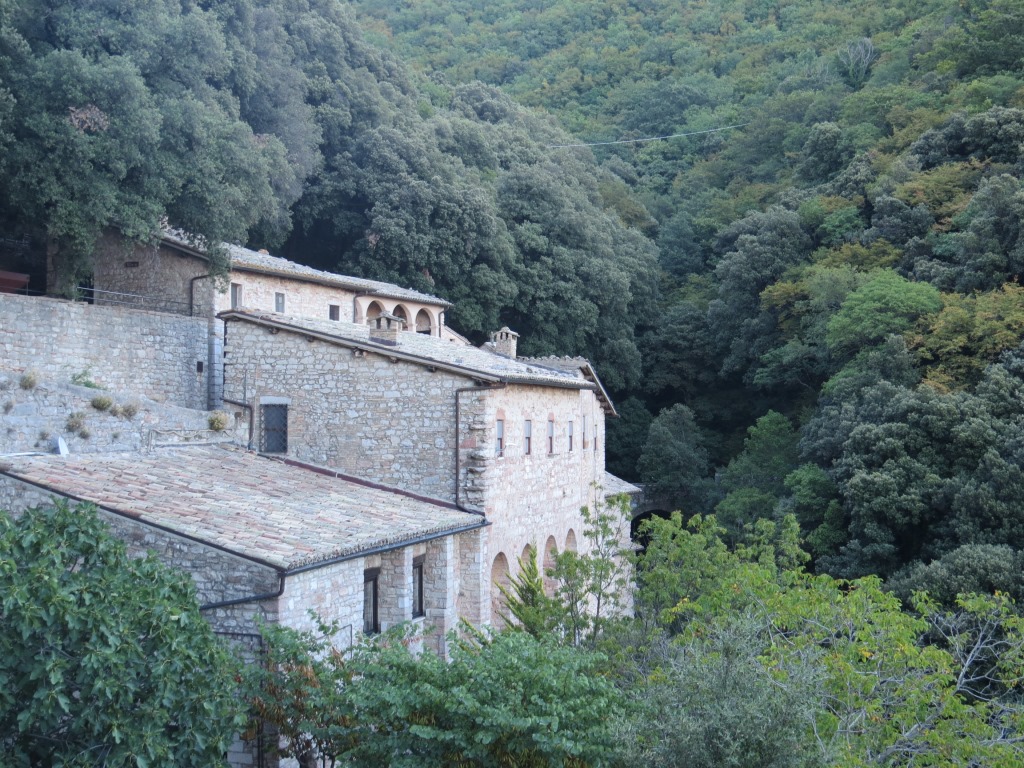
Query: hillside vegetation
point(815, 309)
point(841, 314)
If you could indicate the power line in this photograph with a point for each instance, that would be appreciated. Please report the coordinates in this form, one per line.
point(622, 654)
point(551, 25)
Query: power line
point(650, 138)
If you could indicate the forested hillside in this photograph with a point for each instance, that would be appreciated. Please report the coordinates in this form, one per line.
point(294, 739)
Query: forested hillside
point(272, 122)
point(841, 316)
point(811, 303)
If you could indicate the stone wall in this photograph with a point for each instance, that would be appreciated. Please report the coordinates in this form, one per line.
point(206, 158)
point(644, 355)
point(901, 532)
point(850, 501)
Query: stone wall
point(162, 274)
point(301, 299)
point(530, 498)
point(390, 422)
point(153, 354)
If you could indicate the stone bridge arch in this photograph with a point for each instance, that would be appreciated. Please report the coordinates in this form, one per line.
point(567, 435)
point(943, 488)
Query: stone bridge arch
point(645, 506)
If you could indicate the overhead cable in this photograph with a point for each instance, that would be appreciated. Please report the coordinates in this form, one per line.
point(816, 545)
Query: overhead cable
point(649, 138)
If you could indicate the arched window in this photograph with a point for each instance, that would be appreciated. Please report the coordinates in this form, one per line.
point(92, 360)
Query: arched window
point(423, 323)
point(374, 310)
point(570, 541)
point(499, 576)
point(550, 552)
point(402, 315)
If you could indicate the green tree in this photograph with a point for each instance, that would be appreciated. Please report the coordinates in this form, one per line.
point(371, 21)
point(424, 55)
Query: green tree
point(104, 658)
point(674, 462)
point(121, 119)
point(507, 700)
point(886, 304)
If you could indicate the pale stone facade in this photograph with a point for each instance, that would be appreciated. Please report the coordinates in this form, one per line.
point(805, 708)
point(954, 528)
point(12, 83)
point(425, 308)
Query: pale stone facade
point(424, 417)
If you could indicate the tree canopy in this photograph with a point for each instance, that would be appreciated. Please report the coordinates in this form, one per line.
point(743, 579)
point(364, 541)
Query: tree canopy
point(104, 658)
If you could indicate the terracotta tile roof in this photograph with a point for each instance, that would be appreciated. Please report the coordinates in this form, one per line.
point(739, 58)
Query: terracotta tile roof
point(283, 515)
point(425, 350)
point(264, 263)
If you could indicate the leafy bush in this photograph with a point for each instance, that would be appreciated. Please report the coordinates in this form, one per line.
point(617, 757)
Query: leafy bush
point(104, 658)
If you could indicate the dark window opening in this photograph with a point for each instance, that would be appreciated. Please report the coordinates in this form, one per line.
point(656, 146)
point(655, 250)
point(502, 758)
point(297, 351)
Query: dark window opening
point(335, 312)
point(570, 435)
point(274, 428)
point(551, 435)
point(500, 440)
point(417, 587)
point(371, 601)
point(527, 436)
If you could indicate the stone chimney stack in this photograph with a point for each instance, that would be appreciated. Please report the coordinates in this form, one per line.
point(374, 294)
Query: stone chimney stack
point(384, 328)
point(505, 342)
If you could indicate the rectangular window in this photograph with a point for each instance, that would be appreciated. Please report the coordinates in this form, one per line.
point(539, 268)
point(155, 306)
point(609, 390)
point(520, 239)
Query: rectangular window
point(279, 302)
point(417, 587)
point(584, 432)
point(236, 295)
point(570, 435)
point(335, 311)
point(551, 435)
point(499, 445)
point(371, 601)
point(527, 436)
point(274, 428)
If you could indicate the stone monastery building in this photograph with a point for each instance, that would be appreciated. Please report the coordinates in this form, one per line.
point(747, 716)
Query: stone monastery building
point(375, 467)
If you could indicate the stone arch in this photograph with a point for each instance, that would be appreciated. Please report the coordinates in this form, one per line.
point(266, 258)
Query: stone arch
point(499, 576)
point(526, 553)
point(402, 313)
point(375, 309)
point(570, 541)
point(634, 525)
point(550, 553)
point(424, 322)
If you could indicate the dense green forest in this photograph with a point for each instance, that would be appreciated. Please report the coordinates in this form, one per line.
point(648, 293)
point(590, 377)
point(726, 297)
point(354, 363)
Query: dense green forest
point(840, 315)
point(810, 303)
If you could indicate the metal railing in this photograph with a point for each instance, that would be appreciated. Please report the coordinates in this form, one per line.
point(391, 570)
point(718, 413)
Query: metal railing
point(136, 300)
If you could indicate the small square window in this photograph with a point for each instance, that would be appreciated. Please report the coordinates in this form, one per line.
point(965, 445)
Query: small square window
point(417, 587)
point(335, 311)
point(371, 601)
point(279, 302)
point(499, 438)
point(236, 295)
point(551, 435)
point(527, 436)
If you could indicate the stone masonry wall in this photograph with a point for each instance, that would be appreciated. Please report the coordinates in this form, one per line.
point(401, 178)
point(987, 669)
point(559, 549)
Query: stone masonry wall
point(161, 273)
point(301, 299)
point(218, 575)
point(151, 353)
point(390, 422)
point(531, 497)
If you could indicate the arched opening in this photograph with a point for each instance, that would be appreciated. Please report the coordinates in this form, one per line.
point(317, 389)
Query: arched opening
point(636, 535)
point(550, 552)
point(499, 576)
point(423, 323)
point(525, 557)
point(401, 313)
point(570, 541)
point(374, 310)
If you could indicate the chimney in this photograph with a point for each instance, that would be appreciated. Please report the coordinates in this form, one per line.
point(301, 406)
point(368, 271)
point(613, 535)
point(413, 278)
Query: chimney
point(505, 342)
point(384, 328)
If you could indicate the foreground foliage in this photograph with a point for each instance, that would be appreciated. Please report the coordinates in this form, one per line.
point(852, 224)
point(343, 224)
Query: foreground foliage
point(104, 659)
point(507, 700)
